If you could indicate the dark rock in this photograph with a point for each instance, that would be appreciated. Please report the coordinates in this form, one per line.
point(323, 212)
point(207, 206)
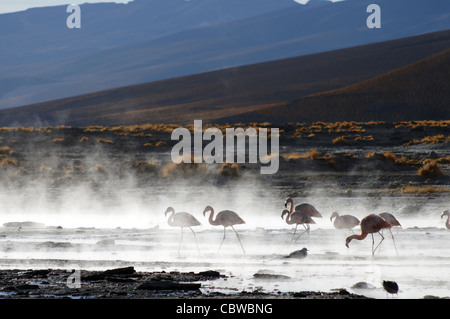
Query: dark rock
point(209, 273)
point(24, 224)
point(41, 273)
point(26, 287)
point(362, 285)
point(106, 242)
point(168, 285)
point(270, 276)
point(51, 244)
point(126, 271)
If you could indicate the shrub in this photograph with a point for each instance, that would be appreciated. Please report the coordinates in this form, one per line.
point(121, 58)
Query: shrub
point(8, 162)
point(228, 169)
point(145, 167)
point(6, 150)
point(340, 140)
point(432, 169)
point(104, 141)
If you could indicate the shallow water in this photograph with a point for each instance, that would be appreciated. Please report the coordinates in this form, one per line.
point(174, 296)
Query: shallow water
point(420, 268)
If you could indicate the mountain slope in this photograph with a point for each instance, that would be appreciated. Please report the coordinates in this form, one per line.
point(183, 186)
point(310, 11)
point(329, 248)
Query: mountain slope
point(418, 91)
point(149, 49)
point(235, 94)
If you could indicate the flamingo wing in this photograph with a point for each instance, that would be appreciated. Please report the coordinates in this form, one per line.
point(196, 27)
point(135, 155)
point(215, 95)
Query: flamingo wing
point(309, 209)
point(183, 219)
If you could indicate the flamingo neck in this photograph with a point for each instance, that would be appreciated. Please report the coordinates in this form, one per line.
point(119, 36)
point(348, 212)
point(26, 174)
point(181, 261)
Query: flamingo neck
point(357, 237)
point(211, 217)
point(290, 201)
point(171, 217)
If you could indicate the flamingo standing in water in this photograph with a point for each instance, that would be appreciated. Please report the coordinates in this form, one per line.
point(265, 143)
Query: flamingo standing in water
point(369, 225)
point(393, 221)
point(307, 208)
point(224, 218)
point(297, 218)
point(182, 220)
point(446, 213)
point(344, 221)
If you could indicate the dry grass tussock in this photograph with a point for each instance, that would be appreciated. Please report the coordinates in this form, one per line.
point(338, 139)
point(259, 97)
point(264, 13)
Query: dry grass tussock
point(6, 150)
point(430, 140)
point(424, 123)
point(229, 169)
point(145, 167)
point(391, 157)
point(423, 190)
point(8, 162)
point(431, 169)
point(312, 155)
point(105, 141)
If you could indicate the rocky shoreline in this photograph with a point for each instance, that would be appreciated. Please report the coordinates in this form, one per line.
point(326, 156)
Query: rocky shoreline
point(127, 283)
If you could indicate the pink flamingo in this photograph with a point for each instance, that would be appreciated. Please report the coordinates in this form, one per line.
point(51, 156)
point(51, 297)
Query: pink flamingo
point(369, 225)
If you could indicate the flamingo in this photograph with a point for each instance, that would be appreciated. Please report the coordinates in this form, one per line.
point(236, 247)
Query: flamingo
point(224, 218)
point(369, 225)
point(297, 218)
point(390, 219)
point(446, 213)
point(307, 208)
point(182, 220)
point(393, 221)
point(344, 221)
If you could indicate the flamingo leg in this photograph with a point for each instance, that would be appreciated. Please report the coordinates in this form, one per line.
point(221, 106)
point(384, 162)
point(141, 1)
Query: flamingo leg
point(295, 231)
point(238, 239)
point(195, 236)
point(306, 231)
point(393, 242)
point(181, 239)
point(373, 242)
point(382, 238)
point(224, 234)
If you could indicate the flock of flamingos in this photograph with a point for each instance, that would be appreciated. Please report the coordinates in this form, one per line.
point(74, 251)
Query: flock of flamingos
point(296, 215)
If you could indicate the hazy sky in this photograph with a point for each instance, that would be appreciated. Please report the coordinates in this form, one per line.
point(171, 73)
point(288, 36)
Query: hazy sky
point(20, 5)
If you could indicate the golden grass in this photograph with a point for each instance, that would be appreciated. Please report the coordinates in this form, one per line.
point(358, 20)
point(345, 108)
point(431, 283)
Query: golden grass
point(312, 155)
point(391, 157)
point(160, 143)
point(145, 167)
point(423, 190)
point(341, 140)
point(58, 139)
point(8, 162)
point(424, 123)
point(183, 169)
point(431, 169)
point(6, 150)
point(430, 140)
point(229, 169)
point(84, 139)
point(99, 168)
point(104, 141)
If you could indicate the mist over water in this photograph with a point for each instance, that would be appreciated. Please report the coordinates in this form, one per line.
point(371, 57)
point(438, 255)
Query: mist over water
point(109, 200)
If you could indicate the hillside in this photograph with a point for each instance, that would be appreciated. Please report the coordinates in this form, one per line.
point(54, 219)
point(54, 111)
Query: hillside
point(418, 91)
point(233, 94)
point(151, 40)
